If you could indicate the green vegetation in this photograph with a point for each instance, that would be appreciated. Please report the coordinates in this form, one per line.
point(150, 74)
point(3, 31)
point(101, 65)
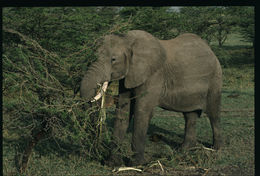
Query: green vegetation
point(47, 50)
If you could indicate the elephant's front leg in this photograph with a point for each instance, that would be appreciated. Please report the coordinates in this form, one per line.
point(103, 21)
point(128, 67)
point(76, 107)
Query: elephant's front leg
point(122, 116)
point(142, 116)
point(120, 126)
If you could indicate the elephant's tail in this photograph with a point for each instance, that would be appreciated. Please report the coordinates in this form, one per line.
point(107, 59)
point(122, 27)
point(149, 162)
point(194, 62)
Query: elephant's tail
point(214, 92)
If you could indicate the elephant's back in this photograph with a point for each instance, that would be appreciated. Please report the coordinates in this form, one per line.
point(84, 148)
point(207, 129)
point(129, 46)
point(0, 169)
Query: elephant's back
point(189, 54)
point(188, 70)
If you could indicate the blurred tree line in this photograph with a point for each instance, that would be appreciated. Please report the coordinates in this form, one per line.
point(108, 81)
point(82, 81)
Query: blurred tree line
point(47, 50)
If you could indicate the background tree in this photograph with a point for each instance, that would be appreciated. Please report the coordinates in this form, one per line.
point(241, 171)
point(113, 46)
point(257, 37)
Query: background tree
point(245, 18)
point(198, 20)
point(209, 22)
point(156, 20)
point(223, 23)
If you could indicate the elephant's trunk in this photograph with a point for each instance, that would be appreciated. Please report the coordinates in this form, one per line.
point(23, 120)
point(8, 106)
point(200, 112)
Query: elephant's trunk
point(97, 74)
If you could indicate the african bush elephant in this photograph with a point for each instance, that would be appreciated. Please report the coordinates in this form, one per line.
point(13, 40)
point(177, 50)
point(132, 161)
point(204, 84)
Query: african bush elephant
point(181, 74)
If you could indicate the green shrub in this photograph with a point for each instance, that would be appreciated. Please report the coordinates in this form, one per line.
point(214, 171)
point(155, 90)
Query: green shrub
point(234, 56)
point(242, 56)
point(38, 94)
point(222, 55)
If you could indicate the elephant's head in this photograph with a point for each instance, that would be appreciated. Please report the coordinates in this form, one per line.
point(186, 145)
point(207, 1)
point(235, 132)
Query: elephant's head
point(134, 56)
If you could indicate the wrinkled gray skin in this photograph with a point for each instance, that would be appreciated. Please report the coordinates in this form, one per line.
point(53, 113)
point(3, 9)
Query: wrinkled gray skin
point(181, 74)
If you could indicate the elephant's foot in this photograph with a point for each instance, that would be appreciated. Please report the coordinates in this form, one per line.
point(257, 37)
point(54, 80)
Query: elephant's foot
point(188, 144)
point(136, 160)
point(217, 145)
point(114, 160)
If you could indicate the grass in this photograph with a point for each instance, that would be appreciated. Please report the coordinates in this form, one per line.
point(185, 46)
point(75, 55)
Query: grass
point(236, 157)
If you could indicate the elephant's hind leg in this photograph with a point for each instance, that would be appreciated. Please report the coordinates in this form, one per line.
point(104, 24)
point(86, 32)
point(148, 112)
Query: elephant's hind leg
point(215, 125)
point(213, 111)
point(190, 129)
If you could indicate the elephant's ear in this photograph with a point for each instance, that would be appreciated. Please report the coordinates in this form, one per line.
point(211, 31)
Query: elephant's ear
point(147, 57)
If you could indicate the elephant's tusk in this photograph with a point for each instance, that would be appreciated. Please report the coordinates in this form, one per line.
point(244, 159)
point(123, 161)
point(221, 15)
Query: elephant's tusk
point(103, 90)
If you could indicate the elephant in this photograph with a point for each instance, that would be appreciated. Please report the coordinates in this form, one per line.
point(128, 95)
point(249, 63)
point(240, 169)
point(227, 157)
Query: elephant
point(181, 74)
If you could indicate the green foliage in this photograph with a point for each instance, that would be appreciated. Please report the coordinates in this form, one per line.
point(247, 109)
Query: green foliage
point(156, 20)
point(54, 27)
point(41, 77)
point(222, 55)
point(224, 24)
point(208, 22)
point(233, 57)
point(197, 20)
point(245, 16)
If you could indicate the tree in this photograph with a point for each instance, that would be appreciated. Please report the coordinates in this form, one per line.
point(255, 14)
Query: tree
point(224, 24)
point(244, 17)
point(155, 20)
point(198, 20)
point(208, 22)
point(247, 24)
point(45, 52)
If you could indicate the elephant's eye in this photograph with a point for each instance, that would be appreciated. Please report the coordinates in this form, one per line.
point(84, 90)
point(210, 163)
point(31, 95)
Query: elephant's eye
point(113, 59)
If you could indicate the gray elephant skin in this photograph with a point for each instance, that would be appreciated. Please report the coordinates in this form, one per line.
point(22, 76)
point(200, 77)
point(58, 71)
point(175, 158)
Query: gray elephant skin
point(181, 74)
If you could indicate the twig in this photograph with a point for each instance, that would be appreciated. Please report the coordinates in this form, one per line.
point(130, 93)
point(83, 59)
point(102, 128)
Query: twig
point(102, 116)
point(160, 165)
point(207, 171)
point(120, 169)
point(190, 168)
point(25, 38)
point(210, 149)
point(203, 147)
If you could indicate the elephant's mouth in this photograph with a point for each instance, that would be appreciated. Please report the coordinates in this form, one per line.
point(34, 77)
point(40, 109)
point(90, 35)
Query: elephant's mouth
point(101, 92)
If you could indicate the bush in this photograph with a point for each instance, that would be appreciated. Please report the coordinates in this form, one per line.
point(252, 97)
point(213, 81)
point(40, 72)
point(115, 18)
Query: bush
point(242, 56)
point(39, 98)
point(222, 55)
point(234, 56)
